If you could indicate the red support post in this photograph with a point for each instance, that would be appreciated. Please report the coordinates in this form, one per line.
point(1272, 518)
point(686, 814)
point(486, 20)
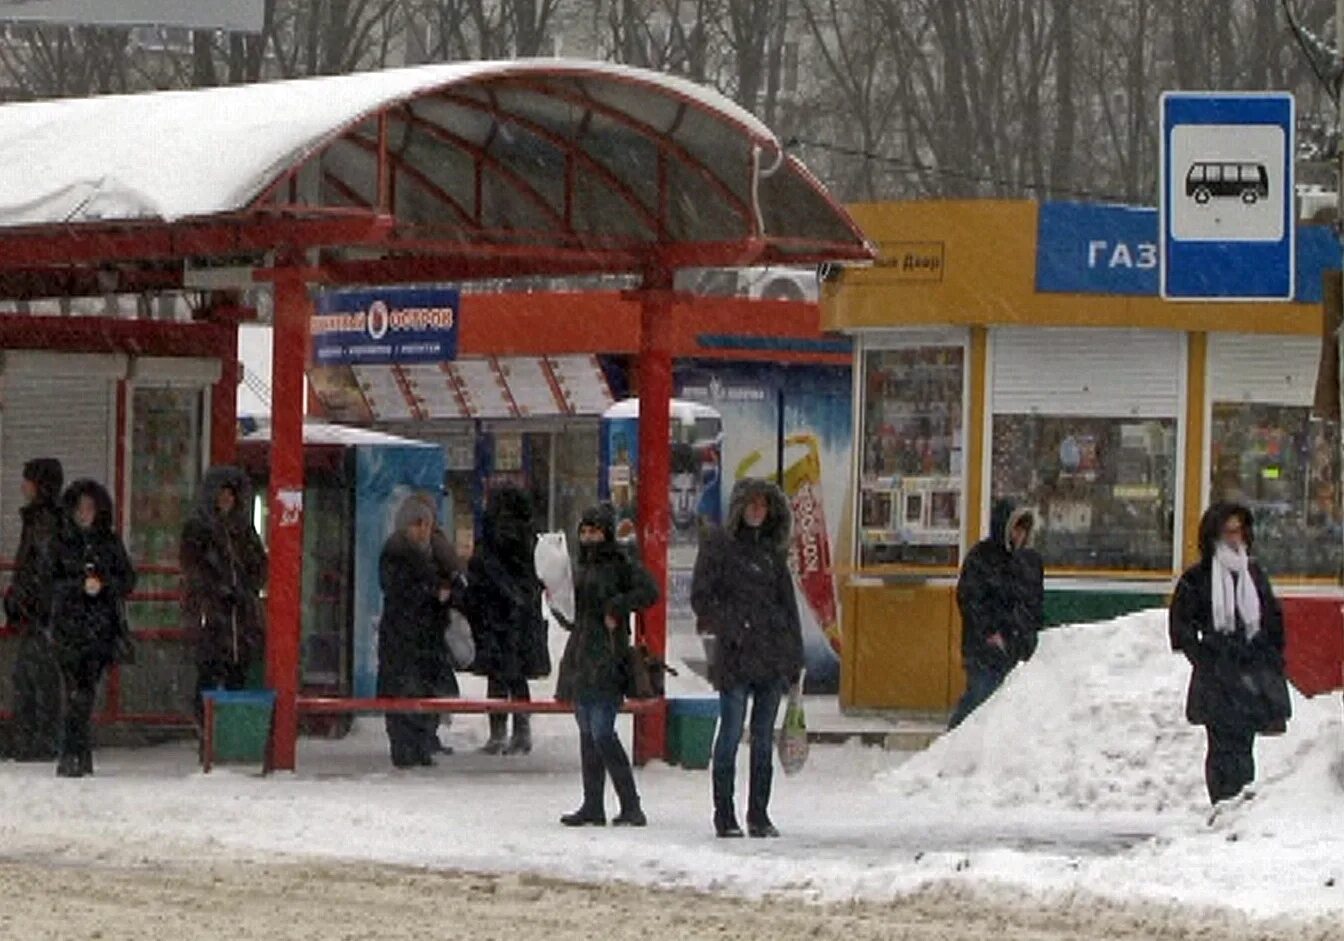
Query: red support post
point(224, 402)
point(655, 428)
point(293, 310)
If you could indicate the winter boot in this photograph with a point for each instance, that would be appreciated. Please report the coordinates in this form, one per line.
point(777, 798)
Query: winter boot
point(725, 813)
point(591, 812)
point(499, 728)
point(86, 761)
point(521, 743)
point(617, 764)
point(68, 766)
point(726, 827)
point(761, 829)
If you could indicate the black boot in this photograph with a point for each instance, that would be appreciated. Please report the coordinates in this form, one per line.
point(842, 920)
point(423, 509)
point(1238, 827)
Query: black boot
point(86, 761)
point(591, 813)
point(68, 766)
point(763, 828)
point(521, 743)
point(617, 764)
point(725, 814)
point(499, 730)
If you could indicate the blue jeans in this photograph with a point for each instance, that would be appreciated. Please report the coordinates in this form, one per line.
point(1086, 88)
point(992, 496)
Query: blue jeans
point(765, 699)
point(597, 717)
point(981, 682)
point(602, 755)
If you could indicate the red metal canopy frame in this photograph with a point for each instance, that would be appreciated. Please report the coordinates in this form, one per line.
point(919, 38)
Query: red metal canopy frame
point(511, 170)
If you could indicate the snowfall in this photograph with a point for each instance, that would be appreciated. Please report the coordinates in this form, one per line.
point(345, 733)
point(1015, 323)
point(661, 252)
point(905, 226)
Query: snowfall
point(1079, 780)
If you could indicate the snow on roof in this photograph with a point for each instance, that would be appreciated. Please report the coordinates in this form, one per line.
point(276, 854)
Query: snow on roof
point(681, 410)
point(158, 155)
point(328, 433)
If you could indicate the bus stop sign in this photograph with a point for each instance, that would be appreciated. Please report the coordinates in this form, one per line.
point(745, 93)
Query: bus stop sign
point(1226, 196)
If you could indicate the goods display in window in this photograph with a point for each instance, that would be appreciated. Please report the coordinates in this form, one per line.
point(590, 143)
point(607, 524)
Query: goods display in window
point(1102, 489)
point(165, 465)
point(1283, 464)
point(911, 478)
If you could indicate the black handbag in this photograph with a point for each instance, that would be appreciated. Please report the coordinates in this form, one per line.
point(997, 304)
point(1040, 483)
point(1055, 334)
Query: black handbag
point(645, 675)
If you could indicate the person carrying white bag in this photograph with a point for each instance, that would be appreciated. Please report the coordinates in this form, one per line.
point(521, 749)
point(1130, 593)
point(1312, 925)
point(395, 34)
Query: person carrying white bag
point(551, 558)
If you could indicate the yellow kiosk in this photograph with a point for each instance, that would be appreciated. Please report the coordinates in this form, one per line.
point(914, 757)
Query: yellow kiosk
point(1015, 349)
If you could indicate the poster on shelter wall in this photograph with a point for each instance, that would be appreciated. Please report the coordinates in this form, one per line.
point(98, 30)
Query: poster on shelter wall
point(385, 477)
point(805, 416)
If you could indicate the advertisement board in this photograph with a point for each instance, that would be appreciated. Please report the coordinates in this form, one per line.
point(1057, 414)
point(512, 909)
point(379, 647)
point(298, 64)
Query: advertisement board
point(238, 16)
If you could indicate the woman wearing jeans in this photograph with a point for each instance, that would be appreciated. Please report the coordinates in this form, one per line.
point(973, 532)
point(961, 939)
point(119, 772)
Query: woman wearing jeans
point(608, 588)
point(742, 592)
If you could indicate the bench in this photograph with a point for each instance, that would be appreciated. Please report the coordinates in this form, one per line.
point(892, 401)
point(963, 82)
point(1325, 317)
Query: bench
point(334, 705)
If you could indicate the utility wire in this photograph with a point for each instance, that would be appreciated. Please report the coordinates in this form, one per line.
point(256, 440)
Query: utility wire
point(920, 167)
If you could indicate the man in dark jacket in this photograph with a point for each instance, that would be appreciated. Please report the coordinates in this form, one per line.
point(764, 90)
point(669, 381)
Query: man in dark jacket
point(609, 587)
point(742, 593)
point(37, 678)
point(1001, 594)
point(1225, 619)
point(224, 569)
point(410, 632)
point(504, 606)
point(92, 576)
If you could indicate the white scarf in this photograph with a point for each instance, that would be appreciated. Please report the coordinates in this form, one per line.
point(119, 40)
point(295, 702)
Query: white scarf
point(1234, 596)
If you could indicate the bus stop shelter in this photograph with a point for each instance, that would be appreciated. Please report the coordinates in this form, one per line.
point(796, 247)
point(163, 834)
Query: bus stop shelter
point(444, 173)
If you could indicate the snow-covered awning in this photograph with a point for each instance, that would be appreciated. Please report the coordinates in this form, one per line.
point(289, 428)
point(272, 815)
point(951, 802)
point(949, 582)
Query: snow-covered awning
point(581, 158)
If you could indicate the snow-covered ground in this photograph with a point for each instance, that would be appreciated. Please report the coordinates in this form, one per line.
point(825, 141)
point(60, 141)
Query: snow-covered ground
point(1079, 779)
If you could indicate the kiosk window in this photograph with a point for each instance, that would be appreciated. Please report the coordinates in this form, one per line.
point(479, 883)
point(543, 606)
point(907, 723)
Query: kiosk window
point(911, 472)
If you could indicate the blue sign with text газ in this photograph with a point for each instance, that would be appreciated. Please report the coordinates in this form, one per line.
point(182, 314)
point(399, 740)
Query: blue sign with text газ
point(1084, 248)
point(1089, 249)
point(385, 326)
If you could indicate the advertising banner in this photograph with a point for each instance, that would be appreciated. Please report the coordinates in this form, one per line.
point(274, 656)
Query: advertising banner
point(799, 419)
point(385, 476)
point(239, 16)
point(385, 326)
point(694, 490)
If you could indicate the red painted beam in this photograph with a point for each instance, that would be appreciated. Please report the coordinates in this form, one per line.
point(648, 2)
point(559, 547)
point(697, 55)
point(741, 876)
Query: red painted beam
point(109, 335)
point(655, 429)
point(87, 244)
point(293, 311)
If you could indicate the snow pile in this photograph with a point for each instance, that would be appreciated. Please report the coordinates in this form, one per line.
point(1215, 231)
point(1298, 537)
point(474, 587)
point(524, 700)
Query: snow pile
point(1096, 721)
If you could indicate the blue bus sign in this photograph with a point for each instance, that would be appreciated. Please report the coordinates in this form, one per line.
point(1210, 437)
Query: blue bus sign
point(1226, 197)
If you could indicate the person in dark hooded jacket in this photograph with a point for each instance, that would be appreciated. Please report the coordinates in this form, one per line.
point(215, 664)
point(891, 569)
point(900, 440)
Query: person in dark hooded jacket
point(1001, 596)
point(223, 568)
point(92, 576)
point(742, 593)
point(37, 677)
point(410, 633)
point(504, 607)
point(1225, 619)
point(609, 586)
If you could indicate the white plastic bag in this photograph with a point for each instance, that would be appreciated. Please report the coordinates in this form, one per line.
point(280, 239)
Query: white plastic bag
point(793, 745)
point(461, 645)
point(551, 558)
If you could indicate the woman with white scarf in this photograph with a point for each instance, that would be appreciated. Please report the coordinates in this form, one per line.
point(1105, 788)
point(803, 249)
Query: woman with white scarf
point(1225, 619)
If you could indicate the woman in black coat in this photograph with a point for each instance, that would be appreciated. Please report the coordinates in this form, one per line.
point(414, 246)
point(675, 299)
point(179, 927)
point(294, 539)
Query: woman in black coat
point(504, 607)
point(742, 593)
point(92, 577)
point(609, 586)
point(411, 649)
point(223, 572)
point(1225, 619)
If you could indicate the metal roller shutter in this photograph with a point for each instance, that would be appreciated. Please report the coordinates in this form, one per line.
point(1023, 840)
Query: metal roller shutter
point(1087, 372)
point(54, 406)
point(1268, 370)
